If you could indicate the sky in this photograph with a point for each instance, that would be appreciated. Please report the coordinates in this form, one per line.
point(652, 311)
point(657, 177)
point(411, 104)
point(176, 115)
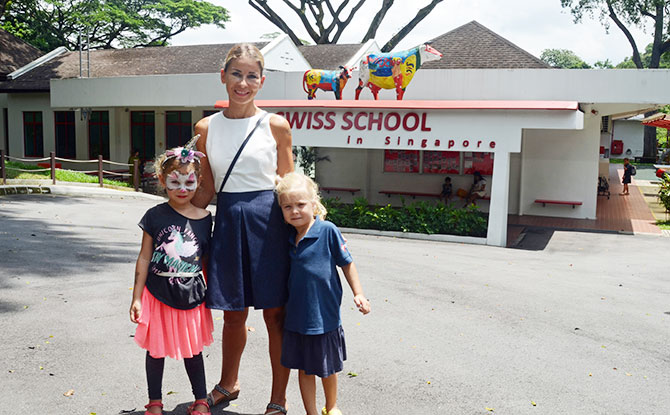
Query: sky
point(533, 25)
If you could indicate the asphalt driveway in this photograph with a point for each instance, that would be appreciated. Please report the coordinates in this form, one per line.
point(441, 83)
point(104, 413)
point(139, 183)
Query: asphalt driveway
point(580, 327)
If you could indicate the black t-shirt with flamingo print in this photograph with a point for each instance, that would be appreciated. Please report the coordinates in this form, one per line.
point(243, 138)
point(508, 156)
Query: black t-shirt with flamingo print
point(180, 244)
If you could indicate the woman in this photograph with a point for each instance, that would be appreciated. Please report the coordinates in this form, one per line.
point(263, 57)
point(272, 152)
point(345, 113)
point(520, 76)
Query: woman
point(249, 257)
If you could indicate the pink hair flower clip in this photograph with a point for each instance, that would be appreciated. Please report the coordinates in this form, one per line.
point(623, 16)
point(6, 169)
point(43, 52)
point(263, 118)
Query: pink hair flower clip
point(185, 154)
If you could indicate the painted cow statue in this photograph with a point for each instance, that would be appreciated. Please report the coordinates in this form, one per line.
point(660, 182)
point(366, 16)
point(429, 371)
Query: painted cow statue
point(326, 80)
point(393, 70)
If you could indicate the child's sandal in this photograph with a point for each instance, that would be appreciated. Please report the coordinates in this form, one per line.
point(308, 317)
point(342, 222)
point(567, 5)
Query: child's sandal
point(191, 409)
point(151, 405)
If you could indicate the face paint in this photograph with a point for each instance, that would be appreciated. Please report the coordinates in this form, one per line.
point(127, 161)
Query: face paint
point(178, 181)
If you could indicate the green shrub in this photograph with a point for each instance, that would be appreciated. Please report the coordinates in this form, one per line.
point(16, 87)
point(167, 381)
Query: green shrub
point(664, 191)
point(419, 217)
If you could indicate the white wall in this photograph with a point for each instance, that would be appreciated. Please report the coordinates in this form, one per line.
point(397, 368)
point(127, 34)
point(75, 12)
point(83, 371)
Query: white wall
point(282, 55)
point(3, 106)
point(561, 165)
point(631, 132)
point(18, 103)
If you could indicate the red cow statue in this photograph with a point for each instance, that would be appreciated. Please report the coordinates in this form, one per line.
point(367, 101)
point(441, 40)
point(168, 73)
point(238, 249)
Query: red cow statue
point(326, 80)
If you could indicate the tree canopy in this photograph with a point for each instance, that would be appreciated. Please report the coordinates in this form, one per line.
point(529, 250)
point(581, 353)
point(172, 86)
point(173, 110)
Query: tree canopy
point(48, 24)
point(625, 14)
point(563, 58)
point(325, 21)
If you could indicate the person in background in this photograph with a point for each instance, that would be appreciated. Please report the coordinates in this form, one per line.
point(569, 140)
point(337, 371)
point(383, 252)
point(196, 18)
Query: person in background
point(627, 176)
point(445, 194)
point(477, 190)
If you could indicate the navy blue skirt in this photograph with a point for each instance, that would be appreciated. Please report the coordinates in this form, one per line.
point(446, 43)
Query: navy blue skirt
point(249, 261)
point(319, 354)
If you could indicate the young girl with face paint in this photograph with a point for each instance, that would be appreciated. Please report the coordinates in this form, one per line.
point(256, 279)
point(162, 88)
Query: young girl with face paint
point(169, 292)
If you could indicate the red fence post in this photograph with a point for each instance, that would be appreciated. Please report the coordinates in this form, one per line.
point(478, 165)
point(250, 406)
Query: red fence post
point(2, 166)
point(100, 169)
point(136, 174)
point(53, 167)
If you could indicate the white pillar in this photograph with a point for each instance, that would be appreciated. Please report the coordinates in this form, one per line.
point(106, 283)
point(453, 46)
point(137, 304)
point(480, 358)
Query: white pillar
point(497, 230)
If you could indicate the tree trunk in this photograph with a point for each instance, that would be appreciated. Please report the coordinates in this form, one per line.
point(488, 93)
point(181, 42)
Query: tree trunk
point(408, 28)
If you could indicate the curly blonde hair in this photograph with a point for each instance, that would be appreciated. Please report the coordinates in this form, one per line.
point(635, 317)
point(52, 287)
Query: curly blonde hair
point(298, 182)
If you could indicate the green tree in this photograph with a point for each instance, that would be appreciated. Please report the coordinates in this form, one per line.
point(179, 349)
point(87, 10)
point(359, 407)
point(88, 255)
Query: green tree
point(606, 64)
point(563, 58)
point(325, 21)
point(48, 24)
point(625, 14)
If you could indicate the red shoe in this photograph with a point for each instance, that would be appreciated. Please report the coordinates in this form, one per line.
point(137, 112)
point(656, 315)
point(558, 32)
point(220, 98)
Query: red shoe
point(192, 411)
point(152, 404)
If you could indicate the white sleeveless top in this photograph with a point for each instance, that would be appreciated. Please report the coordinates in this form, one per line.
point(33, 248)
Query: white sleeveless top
point(256, 168)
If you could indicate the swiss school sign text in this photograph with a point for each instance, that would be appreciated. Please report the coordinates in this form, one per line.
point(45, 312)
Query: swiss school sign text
point(389, 129)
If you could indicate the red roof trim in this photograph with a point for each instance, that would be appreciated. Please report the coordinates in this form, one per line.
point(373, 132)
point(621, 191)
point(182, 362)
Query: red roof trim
point(389, 104)
point(658, 123)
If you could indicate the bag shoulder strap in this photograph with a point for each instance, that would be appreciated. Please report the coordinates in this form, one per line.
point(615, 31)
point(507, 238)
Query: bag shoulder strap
point(239, 151)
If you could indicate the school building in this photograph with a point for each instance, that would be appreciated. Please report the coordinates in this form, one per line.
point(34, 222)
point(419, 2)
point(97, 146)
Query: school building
point(535, 132)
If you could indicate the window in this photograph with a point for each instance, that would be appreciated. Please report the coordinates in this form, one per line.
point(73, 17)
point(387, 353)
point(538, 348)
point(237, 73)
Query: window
point(481, 162)
point(66, 139)
point(98, 135)
point(33, 137)
point(177, 128)
point(142, 133)
point(441, 162)
point(401, 161)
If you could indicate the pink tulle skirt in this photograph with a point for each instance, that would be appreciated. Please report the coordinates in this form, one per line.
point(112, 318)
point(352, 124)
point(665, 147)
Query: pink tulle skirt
point(166, 331)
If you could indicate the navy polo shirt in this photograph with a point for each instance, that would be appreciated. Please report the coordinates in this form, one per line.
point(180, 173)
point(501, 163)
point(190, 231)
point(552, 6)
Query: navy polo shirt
point(314, 287)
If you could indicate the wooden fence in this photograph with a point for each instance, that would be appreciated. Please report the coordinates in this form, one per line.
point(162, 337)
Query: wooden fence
point(52, 165)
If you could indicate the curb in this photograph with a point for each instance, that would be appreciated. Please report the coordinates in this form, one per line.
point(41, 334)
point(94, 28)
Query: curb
point(61, 190)
point(418, 236)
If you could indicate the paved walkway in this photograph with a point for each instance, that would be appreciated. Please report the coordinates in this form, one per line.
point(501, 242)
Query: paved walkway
point(625, 214)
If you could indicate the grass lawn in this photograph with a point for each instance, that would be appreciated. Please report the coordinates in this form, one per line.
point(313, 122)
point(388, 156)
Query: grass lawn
point(620, 161)
point(663, 224)
point(61, 175)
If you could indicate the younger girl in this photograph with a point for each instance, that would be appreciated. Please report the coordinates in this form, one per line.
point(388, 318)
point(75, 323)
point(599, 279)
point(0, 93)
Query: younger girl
point(313, 337)
point(169, 287)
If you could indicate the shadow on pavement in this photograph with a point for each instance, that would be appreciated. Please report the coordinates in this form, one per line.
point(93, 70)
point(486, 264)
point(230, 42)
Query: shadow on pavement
point(534, 239)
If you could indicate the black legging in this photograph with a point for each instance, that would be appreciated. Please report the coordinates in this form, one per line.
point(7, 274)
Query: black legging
point(195, 368)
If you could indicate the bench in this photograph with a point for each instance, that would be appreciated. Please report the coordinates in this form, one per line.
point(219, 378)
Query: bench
point(558, 202)
point(340, 189)
point(413, 194)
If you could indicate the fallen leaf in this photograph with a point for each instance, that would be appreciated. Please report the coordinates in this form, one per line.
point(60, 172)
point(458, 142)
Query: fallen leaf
point(171, 393)
point(11, 371)
point(25, 306)
point(41, 368)
point(428, 382)
point(352, 374)
point(628, 374)
point(533, 403)
point(490, 409)
point(251, 329)
point(590, 374)
point(217, 318)
point(69, 393)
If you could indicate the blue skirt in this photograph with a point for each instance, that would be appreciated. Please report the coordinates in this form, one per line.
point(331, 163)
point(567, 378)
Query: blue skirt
point(249, 261)
point(320, 354)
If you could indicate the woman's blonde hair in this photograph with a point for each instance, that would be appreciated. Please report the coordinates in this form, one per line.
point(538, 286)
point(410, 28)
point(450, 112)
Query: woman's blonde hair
point(298, 182)
point(244, 50)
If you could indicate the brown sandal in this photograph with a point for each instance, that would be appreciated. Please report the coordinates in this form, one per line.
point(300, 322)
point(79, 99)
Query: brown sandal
point(227, 396)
